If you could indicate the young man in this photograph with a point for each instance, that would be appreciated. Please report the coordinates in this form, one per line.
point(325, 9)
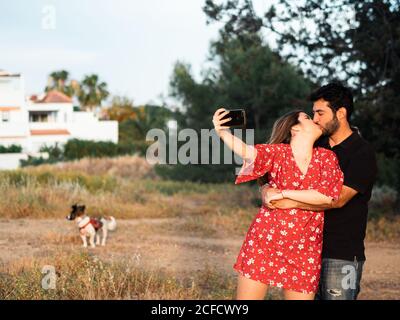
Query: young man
point(345, 219)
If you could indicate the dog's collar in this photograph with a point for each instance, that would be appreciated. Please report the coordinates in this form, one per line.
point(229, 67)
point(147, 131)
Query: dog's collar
point(80, 228)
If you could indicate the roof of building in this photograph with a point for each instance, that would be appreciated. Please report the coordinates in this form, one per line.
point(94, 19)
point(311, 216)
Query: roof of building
point(9, 108)
point(52, 96)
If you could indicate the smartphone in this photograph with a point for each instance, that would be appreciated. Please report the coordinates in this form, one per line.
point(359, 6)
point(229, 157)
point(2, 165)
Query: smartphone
point(238, 118)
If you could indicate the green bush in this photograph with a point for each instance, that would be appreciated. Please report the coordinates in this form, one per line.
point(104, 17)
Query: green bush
point(34, 161)
point(173, 187)
point(196, 173)
point(388, 171)
point(11, 149)
point(76, 149)
point(384, 202)
point(134, 147)
point(56, 154)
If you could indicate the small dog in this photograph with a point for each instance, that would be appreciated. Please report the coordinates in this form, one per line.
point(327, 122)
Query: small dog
point(90, 227)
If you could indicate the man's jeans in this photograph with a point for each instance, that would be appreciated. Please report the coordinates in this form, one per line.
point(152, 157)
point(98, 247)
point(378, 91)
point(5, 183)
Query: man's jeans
point(340, 279)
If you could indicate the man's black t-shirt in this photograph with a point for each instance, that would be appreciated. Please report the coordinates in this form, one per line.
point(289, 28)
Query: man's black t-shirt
point(344, 229)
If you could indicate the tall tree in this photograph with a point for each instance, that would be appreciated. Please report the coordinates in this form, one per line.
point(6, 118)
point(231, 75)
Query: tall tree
point(92, 92)
point(246, 74)
point(121, 109)
point(356, 41)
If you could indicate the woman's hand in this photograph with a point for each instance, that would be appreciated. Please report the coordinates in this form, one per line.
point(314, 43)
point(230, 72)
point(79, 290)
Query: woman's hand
point(272, 196)
point(236, 144)
point(218, 123)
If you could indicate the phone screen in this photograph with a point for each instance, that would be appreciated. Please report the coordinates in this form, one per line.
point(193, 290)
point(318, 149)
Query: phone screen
point(238, 118)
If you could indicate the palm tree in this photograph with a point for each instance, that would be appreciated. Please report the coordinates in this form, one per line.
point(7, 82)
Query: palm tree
point(59, 80)
point(92, 92)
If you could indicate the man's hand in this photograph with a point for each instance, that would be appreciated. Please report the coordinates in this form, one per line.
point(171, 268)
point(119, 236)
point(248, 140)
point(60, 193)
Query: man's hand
point(273, 197)
point(284, 204)
point(267, 192)
point(346, 195)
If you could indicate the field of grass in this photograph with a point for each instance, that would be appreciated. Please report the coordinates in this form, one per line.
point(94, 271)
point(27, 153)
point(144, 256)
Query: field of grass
point(200, 215)
point(49, 191)
point(127, 188)
point(82, 276)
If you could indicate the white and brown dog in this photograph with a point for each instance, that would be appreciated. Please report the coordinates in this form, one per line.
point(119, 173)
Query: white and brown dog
point(90, 227)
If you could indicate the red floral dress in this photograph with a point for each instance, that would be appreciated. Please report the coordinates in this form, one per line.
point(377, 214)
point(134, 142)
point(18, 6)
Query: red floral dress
point(283, 246)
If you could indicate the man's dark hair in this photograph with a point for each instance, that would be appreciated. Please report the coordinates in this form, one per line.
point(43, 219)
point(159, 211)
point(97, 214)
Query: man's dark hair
point(337, 95)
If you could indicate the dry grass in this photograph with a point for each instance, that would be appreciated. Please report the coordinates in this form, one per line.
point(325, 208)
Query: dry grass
point(46, 192)
point(81, 276)
point(384, 229)
point(219, 224)
point(216, 210)
point(129, 167)
point(126, 188)
point(57, 238)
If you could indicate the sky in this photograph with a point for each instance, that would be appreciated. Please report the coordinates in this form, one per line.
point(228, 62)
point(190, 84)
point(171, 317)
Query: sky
point(132, 45)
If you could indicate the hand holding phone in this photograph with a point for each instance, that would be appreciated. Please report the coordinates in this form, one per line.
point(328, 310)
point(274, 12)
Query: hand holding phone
point(224, 119)
point(238, 118)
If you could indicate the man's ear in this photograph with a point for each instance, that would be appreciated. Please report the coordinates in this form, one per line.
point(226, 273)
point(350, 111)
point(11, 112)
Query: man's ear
point(341, 113)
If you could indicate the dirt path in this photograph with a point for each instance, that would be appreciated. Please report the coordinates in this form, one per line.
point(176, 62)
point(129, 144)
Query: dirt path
point(145, 248)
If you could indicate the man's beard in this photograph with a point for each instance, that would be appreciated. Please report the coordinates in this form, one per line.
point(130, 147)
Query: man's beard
point(331, 126)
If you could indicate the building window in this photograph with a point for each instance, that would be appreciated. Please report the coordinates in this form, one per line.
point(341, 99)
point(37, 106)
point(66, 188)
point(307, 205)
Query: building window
point(5, 116)
point(42, 116)
point(38, 117)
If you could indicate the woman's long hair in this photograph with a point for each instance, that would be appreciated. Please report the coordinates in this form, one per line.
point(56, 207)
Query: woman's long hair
point(281, 133)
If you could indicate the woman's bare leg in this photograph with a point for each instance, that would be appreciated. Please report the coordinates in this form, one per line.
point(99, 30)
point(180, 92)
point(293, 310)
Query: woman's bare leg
point(293, 295)
point(249, 289)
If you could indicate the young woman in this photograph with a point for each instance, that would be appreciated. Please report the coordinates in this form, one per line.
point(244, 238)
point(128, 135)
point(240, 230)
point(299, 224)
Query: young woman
point(283, 247)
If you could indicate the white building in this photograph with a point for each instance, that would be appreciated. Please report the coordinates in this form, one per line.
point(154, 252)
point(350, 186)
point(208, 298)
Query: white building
point(43, 120)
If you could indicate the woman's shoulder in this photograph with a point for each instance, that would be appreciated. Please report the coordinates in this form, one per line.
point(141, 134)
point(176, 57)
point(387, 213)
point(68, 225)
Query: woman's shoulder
point(324, 153)
point(272, 149)
point(273, 146)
